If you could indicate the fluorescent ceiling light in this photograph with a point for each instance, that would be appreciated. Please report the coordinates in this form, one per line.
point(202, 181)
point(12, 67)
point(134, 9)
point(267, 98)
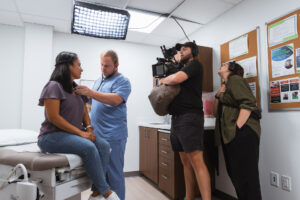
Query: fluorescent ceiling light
point(143, 21)
point(99, 21)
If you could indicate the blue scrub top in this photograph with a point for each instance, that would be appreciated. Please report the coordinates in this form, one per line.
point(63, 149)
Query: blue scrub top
point(110, 122)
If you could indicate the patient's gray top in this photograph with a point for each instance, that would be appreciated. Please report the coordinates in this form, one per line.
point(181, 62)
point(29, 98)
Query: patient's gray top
point(71, 106)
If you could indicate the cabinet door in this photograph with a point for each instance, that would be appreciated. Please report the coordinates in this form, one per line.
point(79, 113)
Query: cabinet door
point(143, 150)
point(147, 147)
point(152, 155)
point(166, 176)
point(206, 59)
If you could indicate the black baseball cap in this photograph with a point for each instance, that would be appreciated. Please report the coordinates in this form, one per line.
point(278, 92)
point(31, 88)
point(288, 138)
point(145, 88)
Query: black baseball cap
point(192, 45)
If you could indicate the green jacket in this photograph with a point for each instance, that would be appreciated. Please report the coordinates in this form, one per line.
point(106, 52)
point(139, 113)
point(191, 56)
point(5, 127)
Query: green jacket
point(238, 95)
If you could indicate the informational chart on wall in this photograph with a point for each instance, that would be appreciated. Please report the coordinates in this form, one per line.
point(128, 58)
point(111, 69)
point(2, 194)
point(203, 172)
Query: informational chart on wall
point(284, 61)
point(244, 50)
point(238, 47)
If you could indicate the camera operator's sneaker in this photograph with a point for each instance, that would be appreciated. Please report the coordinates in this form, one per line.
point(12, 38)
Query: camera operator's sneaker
point(99, 197)
point(113, 196)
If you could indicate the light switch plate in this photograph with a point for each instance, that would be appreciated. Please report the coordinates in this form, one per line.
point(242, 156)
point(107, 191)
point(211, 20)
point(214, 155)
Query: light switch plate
point(286, 183)
point(274, 179)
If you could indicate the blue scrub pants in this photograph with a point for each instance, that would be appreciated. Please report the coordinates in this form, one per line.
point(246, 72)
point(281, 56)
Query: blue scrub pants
point(115, 173)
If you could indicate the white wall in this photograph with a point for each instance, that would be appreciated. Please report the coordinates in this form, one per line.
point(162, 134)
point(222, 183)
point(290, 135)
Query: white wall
point(279, 148)
point(11, 70)
point(36, 70)
point(27, 60)
point(135, 63)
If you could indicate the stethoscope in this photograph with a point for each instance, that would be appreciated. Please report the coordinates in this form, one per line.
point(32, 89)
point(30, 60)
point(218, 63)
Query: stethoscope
point(106, 77)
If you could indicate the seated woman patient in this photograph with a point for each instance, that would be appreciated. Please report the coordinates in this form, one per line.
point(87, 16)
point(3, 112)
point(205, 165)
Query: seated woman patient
point(67, 126)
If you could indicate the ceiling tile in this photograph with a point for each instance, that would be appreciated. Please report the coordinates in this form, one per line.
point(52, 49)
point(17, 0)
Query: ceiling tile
point(202, 11)
point(58, 13)
point(233, 1)
point(111, 3)
point(171, 29)
point(160, 6)
point(58, 9)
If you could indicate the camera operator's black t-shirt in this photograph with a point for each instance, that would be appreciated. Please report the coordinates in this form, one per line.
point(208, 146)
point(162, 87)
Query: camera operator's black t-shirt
point(189, 100)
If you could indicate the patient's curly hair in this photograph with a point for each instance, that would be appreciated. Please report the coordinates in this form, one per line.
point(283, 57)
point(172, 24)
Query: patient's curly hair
point(61, 72)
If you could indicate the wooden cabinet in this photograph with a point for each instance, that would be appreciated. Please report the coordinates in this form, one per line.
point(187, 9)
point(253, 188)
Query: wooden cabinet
point(170, 170)
point(149, 153)
point(160, 164)
point(205, 56)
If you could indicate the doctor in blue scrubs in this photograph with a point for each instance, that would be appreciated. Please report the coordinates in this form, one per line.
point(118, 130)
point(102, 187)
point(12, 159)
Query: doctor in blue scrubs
point(109, 116)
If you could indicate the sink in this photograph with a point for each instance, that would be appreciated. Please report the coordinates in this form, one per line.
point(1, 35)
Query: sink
point(208, 125)
point(160, 125)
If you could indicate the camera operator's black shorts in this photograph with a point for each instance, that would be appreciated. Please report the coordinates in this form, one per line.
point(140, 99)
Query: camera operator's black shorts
point(187, 132)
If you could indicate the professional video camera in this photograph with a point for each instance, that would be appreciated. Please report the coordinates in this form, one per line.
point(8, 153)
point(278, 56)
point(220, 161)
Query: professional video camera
point(167, 65)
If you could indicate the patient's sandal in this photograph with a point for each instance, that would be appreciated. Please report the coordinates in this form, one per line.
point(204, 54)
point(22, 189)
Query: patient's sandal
point(113, 196)
point(99, 197)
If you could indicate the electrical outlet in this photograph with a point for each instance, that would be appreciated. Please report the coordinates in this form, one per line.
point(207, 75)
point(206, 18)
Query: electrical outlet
point(274, 179)
point(286, 183)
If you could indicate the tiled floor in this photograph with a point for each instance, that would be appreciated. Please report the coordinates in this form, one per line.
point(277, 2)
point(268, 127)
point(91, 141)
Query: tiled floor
point(137, 188)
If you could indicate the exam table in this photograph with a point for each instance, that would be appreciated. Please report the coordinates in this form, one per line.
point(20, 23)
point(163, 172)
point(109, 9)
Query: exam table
point(28, 174)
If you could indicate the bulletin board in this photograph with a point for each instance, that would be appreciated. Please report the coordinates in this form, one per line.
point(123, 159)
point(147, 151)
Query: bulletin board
point(252, 53)
point(284, 61)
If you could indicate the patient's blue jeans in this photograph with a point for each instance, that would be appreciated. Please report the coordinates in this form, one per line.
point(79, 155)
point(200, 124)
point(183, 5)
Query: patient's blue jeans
point(95, 155)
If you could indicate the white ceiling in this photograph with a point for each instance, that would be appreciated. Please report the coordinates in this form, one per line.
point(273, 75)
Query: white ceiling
point(58, 13)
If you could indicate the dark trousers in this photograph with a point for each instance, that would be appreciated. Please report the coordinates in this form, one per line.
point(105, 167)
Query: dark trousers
point(241, 157)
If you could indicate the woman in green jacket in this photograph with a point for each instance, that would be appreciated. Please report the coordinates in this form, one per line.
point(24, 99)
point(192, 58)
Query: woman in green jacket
point(238, 131)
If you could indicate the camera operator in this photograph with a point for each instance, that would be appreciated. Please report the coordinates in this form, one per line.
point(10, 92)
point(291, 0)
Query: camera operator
point(187, 126)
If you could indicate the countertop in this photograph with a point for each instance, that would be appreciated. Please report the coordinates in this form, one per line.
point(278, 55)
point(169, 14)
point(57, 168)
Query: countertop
point(209, 124)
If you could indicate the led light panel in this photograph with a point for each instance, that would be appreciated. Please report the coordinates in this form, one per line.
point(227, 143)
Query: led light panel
point(99, 21)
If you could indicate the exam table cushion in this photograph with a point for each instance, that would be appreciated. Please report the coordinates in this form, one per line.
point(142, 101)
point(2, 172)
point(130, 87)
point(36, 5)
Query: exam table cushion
point(32, 160)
